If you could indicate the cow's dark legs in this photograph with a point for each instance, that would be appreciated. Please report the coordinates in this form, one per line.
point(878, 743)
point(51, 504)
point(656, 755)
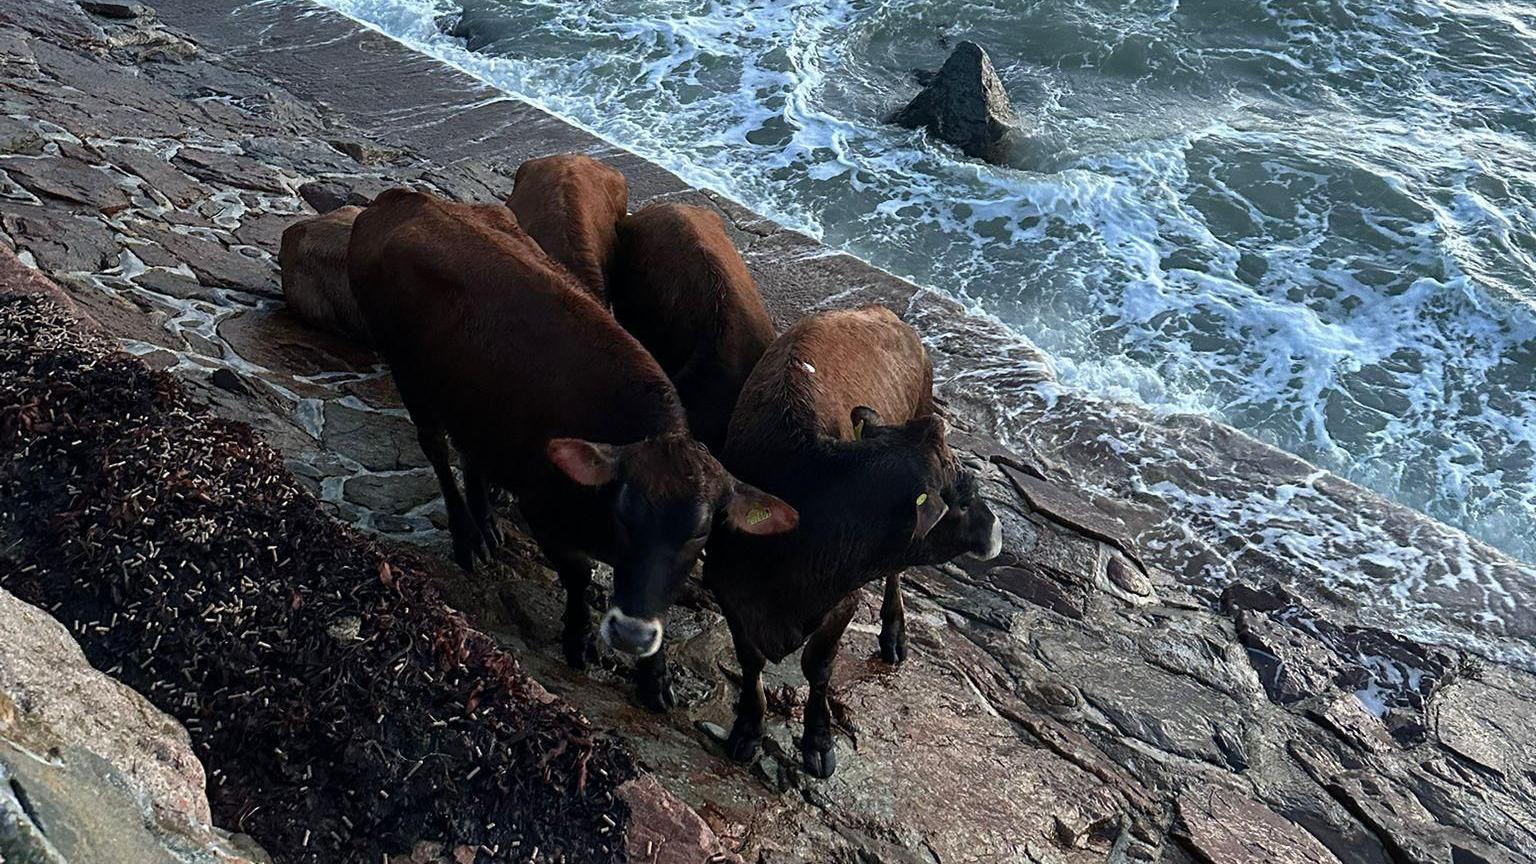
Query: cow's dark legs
point(751, 707)
point(575, 572)
point(893, 622)
point(478, 492)
point(653, 681)
point(468, 545)
point(816, 747)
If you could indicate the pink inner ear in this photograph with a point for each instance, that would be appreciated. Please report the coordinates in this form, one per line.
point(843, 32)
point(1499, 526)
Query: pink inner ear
point(582, 461)
point(756, 512)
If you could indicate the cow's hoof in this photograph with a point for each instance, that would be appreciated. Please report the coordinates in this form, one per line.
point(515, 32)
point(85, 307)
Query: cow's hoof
point(893, 649)
point(581, 652)
point(656, 693)
point(469, 553)
point(491, 535)
point(464, 555)
point(468, 545)
point(818, 762)
point(742, 746)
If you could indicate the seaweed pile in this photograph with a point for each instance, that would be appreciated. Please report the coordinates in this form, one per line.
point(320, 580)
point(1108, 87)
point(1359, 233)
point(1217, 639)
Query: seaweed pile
point(342, 711)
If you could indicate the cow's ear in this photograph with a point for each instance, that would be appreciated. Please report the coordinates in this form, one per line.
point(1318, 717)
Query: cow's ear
point(866, 422)
point(583, 461)
point(932, 428)
point(750, 510)
point(930, 509)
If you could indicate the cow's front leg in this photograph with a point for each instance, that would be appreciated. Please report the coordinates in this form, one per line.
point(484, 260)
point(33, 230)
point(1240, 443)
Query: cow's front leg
point(816, 746)
point(893, 622)
point(577, 640)
point(653, 681)
point(751, 706)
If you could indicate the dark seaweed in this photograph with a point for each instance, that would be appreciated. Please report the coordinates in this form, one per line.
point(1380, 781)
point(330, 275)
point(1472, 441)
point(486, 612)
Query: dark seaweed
point(342, 711)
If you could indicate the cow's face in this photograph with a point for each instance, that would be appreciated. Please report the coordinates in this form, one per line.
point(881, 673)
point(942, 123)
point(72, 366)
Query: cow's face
point(949, 518)
point(968, 527)
point(666, 493)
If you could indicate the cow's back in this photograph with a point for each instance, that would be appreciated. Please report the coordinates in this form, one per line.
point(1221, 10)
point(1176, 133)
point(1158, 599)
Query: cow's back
point(684, 291)
point(480, 325)
point(312, 258)
point(812, 377)
point(570, 205)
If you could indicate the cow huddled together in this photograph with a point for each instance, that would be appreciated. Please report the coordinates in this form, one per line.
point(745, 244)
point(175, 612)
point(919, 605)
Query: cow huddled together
point(618, 374)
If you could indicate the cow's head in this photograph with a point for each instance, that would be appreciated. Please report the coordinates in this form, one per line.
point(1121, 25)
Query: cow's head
point(666, 495)
point(938, 498)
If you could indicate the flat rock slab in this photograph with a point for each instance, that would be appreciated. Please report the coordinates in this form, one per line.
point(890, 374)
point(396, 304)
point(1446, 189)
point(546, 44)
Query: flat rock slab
point(377, 440)
point(215, 264)
point(1225, 827)
point(68, 180)
point(229, 169)
point(938, 768)
point(60, 241)
point(156, 170)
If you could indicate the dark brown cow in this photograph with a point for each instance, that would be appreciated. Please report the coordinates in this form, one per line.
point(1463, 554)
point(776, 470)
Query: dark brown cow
point(811, 426)
point(569, 205)
point(682, 289)
point(496, 348)
point(313, 258)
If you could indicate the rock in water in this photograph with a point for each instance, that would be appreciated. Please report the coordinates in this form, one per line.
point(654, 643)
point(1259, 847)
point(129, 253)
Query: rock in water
point(964, 104)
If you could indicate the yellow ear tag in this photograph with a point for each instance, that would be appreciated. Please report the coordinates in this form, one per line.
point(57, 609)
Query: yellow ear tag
point(858, 430)
point(922, 499)
point(757, 515)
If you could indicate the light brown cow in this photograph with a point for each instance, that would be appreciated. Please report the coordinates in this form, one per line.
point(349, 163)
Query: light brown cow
point(313, 258)
point(681, 287)
point(570, 204)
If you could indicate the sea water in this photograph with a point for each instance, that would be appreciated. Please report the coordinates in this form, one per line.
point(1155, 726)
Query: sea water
point(1314, 220)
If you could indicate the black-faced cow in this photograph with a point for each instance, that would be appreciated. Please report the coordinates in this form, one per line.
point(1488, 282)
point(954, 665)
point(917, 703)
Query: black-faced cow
point(837, 420)
point(497, 349)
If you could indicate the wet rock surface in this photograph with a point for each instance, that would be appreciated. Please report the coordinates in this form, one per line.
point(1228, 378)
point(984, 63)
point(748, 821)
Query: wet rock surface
point(1126, 683)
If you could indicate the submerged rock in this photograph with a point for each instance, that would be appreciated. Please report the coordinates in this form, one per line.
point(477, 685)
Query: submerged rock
point(965, 104)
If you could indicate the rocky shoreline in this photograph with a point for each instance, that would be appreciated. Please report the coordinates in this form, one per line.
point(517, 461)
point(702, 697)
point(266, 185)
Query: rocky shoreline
point(1126, 684)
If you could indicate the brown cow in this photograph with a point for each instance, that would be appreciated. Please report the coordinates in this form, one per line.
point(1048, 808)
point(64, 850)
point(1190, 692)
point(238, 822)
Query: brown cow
point(874, 499)
point(569, 205)
point(313, 258)
point(682, 289)
point(542, 392)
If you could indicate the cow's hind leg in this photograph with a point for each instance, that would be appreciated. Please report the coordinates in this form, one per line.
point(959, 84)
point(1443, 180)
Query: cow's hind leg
point(893, 622)
point(468, 546)
point(478, 492)
point(751, 706)
point(816, 747)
